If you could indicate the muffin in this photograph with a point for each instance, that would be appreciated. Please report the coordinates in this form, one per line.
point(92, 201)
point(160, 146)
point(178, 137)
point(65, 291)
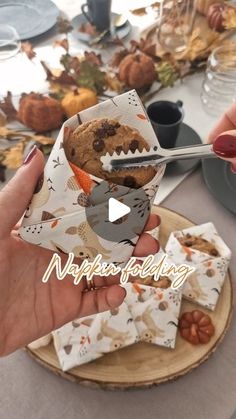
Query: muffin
point(163, 282)
point(90, 141)
point(198, 243)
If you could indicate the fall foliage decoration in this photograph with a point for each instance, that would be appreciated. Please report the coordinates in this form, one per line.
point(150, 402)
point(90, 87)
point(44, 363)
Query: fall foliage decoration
point(41, 113)
point(196, 327)
point(78, 100)
point(27, 48)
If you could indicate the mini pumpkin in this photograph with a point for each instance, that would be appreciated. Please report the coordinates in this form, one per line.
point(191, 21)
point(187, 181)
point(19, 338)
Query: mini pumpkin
point(137, 71)
point(78, 100)
point(196, 327)
point(203, 6)
point(41, 113)
point(215, 16)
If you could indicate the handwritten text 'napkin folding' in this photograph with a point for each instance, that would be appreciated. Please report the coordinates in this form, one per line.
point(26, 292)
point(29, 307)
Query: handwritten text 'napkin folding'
point(56, 217)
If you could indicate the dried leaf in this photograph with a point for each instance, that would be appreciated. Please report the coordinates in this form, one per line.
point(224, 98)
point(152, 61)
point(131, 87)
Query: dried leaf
point(93, 58)
point(64, 26)
point(229, 16)
point(91, 77)
point(27, 48)
point(70, 64)
point(88, 29)
point(118, 57)
point(3, 119)
point(14, 156)
point(64, 43)
point(166, 73)
point(63, 78)
point(8, 108)
point(113, 83)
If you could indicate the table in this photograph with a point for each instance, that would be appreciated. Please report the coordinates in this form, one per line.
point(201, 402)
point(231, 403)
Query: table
point(29, 391)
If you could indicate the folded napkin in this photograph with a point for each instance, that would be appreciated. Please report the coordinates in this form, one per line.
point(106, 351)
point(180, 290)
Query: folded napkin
point(205, 284)
point(57, 208)
point(147, 314)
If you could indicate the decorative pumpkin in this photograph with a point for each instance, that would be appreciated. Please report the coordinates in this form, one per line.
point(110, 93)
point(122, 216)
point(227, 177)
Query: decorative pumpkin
point(41, 113)
point(196, 327)
point(203, 6)
point(215, 16)
point(78, 100)
point(137, 71)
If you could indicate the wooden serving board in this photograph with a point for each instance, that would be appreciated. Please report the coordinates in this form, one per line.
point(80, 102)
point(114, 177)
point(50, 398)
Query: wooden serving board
point(144, 364)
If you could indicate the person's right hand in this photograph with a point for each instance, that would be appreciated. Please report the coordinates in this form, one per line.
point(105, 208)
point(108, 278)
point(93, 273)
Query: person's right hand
point(223, 137)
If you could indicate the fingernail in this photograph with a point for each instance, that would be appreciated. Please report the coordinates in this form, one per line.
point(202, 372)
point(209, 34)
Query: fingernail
point(30, 155)
point(225, 146)
point(233, 168)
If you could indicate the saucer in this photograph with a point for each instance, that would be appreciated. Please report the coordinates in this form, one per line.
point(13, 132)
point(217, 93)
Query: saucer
point(79, 20)
point(222, 185)
point(187, 136)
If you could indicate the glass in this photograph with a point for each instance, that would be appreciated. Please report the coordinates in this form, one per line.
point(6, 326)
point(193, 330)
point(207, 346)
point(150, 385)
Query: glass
point(9, 42)
point(219, 86)
point(176, 24)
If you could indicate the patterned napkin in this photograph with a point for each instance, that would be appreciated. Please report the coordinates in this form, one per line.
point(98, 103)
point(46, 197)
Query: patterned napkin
point(147, 314)
point(57, 208)
point(205, 284)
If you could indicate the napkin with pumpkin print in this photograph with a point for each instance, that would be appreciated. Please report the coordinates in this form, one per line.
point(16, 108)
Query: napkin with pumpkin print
point(56, 216)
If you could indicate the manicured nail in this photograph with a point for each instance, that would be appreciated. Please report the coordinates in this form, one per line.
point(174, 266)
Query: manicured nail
point(233, 168)
point(225, 146)
point(30, 155)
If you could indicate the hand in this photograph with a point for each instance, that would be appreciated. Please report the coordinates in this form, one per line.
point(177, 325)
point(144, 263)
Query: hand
point(29, 308)
point(224, 137)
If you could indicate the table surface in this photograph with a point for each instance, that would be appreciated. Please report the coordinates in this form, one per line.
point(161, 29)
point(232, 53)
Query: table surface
point(29, 391)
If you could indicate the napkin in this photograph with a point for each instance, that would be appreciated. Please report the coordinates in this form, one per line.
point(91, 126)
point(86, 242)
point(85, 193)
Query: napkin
point(57, 208)
point(205, 284)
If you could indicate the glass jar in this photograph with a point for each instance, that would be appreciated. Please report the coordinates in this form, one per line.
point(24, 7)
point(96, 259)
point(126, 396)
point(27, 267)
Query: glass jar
point(219, 85)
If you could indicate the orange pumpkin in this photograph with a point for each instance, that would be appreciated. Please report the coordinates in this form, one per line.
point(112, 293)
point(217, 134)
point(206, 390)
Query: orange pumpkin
point(203, 6)
point(78, 100)
point(41, 113)
point(215, 17)
point(196, 327)
point(137, 71)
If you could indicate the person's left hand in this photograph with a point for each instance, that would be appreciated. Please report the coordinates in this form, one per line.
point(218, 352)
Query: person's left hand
point(30, 308)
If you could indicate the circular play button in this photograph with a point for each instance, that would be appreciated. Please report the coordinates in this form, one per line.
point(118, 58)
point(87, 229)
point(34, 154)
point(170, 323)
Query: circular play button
point(117, 213)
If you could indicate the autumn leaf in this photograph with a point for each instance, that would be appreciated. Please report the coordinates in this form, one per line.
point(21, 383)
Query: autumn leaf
point(70, 64)
point(64, 26)
point(93, 58)
point(63, 78)
point(113, 83)
point(27, 48)
point(118, 57)
point(91, 77)
point(8, 108)
point(64, 43)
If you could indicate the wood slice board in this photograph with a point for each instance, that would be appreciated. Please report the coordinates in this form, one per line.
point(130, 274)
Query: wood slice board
point(144, 364)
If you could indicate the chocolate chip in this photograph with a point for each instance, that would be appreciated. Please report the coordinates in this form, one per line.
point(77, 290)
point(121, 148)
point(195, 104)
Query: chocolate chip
point(98, 145)
point(72, 152)
point(129, 181)
point(133, 145)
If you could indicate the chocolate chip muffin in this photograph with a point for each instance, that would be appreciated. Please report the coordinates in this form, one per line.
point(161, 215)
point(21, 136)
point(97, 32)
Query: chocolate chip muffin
point(91, 140)
point(163, 282)
point(198, 243)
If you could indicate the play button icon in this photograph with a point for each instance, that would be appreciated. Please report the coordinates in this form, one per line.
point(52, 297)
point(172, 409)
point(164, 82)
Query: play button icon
point(117, 213)
point(116, 210)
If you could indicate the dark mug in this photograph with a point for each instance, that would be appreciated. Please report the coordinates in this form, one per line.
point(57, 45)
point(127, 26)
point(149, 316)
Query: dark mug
point(166, 118)
point(98, 13)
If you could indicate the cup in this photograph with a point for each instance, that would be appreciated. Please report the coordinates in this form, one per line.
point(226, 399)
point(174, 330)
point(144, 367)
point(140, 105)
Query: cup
point(98, 13)
point(166, 118)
